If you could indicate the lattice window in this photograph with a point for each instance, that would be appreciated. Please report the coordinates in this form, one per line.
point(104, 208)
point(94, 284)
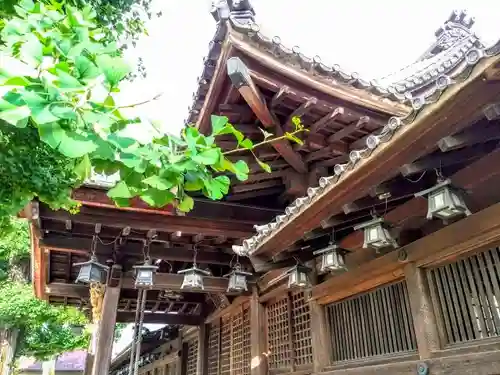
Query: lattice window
point(213, 348)
point(372, 324)
point(301, 323)
point(289, 333)
point(225, 352)
point(466, 297)
point(278, 334)
point(192, 357)
point(240, 343)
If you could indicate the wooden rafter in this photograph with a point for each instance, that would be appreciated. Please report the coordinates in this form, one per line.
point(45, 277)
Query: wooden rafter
point(472, 177)
point(417, 138)
point(240, 77)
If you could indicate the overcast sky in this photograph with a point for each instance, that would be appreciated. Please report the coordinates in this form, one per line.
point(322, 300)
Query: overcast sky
point(372, 38)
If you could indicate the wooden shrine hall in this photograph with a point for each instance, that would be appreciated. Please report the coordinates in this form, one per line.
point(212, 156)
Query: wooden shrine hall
point(373, 247)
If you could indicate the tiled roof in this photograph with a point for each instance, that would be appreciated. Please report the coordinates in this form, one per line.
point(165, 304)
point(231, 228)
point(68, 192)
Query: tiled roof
point(72, 361)
point(463, 57)
point(454, 38)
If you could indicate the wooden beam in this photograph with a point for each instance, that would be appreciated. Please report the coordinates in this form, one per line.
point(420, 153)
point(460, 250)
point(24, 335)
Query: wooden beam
point(349, 129)
point(121, 219)
point(472, 136)
point(242, 188)
point(472, 178)
point(344, 93)
point(40, 264)
point(485, 361)
point(160, 318)
point(478, 231)
point(434, 122)
point(325, 120)
point(299, 112)
point(203, 208)
point(440, 160)
point(254, 194)
point(133, 248)
point(240, 77)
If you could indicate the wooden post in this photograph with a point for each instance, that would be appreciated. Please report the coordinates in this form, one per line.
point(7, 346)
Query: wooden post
point(183, 360)
point(202, 363)
point(321, 343)
point(424, 319)
point(106, 330)
point(258, 363)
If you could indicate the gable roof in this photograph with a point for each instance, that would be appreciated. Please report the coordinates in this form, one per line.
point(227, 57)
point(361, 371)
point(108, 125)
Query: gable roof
point(445, 66)
point(453, 40)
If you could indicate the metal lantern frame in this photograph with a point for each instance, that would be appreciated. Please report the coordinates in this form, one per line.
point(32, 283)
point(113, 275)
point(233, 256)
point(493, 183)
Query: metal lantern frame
point(376, 235)
point(92, 271)
point(298, 277)
point(444, 201)
point(145, 275)
point(332, 258)
point(237, 280)
point(193, 278)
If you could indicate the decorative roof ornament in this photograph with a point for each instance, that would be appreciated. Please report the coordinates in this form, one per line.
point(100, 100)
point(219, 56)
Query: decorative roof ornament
point(458, 26)
point(240, 10)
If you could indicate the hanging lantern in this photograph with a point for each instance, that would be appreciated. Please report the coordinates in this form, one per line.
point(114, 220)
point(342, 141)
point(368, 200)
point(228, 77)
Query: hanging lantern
point(297, 277)
point(144, 275)
point(237, 280)
point(376, 235)
point(332, 258)
point(92, 272)
point(193, 278)
point(444, 201)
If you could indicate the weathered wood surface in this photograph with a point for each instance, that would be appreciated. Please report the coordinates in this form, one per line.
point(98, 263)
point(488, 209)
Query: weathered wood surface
point(424, 319)
point(487, 363)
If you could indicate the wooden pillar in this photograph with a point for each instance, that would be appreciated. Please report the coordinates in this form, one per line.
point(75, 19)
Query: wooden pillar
point(106, 331)
point(424, 319)
point(183, 359)
point(321, 343)
point(258, 352)
point(202, 362)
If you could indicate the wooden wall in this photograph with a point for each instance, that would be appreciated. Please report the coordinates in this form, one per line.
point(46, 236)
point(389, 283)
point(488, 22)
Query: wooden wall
point(438, 307)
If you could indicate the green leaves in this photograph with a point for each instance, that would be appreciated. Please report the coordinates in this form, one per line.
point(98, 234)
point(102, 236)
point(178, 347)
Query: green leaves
point(17, 116)
point(208, 157)
point(186, 204)
point(157, 198)
point(121, 190)
point(114, 68)
point(158, 183)
point(68, 143)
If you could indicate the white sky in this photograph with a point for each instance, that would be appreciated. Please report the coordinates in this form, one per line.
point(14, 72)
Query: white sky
point(372, 38)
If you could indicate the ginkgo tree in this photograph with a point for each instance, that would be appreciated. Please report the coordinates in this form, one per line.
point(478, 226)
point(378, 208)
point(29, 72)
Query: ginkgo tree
point(58, 78)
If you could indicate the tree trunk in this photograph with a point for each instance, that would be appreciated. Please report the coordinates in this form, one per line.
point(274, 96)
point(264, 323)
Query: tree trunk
point(8, 350)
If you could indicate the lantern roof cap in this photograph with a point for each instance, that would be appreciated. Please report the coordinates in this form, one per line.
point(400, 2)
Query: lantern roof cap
point(439, 185)
point(332, 246)
point(92, 260)
point(374, 221)
point(195, 270)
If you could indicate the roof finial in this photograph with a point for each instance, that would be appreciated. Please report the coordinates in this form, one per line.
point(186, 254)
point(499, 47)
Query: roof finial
point(239, 10)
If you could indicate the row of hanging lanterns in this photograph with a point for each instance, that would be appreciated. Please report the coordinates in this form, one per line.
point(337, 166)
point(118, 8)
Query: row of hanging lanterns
point(94, 272)
point(445, 202)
